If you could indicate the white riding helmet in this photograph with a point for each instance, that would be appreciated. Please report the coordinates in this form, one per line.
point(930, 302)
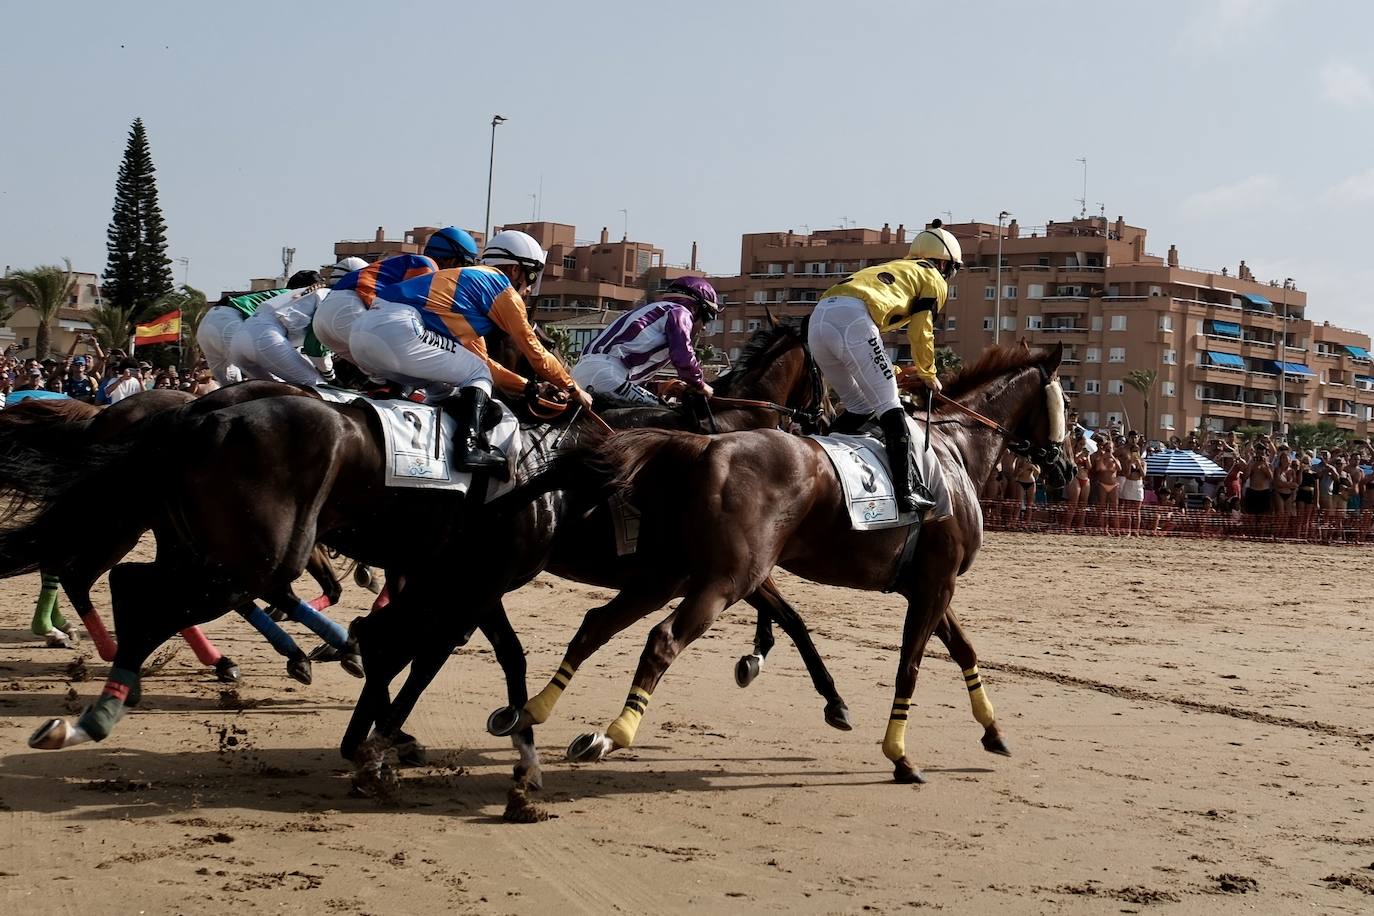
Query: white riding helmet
point(936, 244)
point(346, 266)
point(512, 246)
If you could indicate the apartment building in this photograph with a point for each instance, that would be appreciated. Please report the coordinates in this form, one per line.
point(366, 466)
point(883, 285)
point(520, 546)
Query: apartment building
point(379, 246)
point(1229, 349)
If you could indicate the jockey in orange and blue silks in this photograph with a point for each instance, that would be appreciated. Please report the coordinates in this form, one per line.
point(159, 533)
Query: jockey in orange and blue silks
point(845, 335)
point(642, 341)
point(353, 294)
point(428, 331)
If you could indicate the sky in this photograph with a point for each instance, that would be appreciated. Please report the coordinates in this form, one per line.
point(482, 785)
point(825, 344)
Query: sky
point(1231, 128)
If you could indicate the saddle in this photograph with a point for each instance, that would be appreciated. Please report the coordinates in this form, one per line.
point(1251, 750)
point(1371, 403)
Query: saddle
point(867, 425)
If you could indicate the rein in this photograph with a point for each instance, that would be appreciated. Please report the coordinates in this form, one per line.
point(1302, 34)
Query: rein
point(1015, 445)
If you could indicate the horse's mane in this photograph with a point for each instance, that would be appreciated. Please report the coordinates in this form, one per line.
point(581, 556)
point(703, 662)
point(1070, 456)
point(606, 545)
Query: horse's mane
point(996, 362)
point(757, 347)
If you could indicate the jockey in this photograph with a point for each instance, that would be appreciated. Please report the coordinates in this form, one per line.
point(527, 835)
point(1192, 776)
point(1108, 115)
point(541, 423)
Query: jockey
point(642, 341)
point(353, 294)
point(268, 344)
point(215, 333)
point(846, 339)
point(430, 329)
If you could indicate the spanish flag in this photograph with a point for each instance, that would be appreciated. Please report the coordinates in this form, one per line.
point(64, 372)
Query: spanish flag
point(162, 329)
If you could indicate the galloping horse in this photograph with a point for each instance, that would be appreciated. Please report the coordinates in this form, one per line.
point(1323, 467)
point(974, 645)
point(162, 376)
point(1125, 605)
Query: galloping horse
point(771, 499)
point(39, 435)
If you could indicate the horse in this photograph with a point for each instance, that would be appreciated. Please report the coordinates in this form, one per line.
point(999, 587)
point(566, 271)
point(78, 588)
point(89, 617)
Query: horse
point(51, 431)
point(771, 499)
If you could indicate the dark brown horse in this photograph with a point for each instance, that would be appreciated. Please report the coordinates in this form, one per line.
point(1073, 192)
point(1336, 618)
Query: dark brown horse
point(768, 499)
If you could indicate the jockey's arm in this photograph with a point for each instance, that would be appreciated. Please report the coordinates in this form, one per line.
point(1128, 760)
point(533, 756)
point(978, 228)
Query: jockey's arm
point(921, 332)
point(508, 313)
point(503, 378)
point(678, 327)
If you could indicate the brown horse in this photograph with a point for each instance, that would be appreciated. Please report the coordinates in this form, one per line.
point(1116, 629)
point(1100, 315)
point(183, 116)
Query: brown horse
point(770, 499)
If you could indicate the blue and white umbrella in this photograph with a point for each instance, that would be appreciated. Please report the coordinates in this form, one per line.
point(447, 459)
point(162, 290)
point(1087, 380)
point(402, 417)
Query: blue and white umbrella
point(1177, 462)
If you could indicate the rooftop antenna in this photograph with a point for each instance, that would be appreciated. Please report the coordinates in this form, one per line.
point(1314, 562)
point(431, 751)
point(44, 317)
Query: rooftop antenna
point(287, 256)
point(949, 216)
point(1083, 201)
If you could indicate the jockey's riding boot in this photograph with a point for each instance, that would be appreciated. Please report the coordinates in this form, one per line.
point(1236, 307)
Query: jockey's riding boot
point(472, 452)
point(897, 439)
point(849, 423)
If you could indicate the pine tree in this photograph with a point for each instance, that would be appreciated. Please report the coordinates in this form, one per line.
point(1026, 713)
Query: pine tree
point(137, 269)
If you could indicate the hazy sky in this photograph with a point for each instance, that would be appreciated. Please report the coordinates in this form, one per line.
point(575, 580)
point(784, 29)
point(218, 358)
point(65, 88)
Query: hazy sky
point(1233, 128)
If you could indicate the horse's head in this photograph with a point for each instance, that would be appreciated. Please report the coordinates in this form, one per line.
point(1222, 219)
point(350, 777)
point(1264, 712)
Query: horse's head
point(775, 365)
point(1020, 389)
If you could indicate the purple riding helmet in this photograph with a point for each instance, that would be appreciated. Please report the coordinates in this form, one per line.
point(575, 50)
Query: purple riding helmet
point(701, 294)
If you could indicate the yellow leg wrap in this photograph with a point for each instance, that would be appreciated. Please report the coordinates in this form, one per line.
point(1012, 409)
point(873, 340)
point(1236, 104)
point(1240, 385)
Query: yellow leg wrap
point(894, 742)
point(540, 706)
point(982, 706)
point(622, 730)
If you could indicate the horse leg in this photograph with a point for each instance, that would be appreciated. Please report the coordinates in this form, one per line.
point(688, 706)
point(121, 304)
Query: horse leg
point(297, 664)
point(749, 667)
point(598, 626)
point(384, 653)
point(771, 604)
point(922, 616)
point(208, 654)
point(511, 655)
point(322, 571)
point(334, 635)
point(678, 630)
point(960, 649)
point(144, 618)
point(48, 622)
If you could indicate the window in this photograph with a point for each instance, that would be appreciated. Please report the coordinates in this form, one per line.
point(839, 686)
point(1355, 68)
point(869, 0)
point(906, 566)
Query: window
point(1118, 322)
point(1035, 291)
point(754, 324)
point(954, 292)
point(641, 263)
point(775, 269)
point(987, 323)
point(1009, 322)
point(714, 327)
point(1092, 386)
point(1167, 389)
point(1043, 261)
point(1116, 355)
point(989, 293)
point(569, 262)
point(816, 267)
point(1034, 322)
point(1166, 421)
point(1089, 418)
point(949, 323)
point(1114, 386)
point(760, 296)
point(1097, 323)
point(1008, 292)
point(1113, 418)
point(734, 354)
point(736, 326)
point(1094, 355)
point(1156, 291)
point(1166, 322)
point(1170, 357)
point(838, 267)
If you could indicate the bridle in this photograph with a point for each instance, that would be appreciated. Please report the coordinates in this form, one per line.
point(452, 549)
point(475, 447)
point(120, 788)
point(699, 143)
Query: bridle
point(806, 416)
point(1040, 454)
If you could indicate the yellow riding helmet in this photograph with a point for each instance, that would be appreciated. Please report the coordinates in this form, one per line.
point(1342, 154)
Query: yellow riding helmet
point(936, 244)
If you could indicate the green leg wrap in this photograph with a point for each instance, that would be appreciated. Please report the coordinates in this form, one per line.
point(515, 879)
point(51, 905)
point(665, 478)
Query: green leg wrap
point(47, 604)
point(100, 717)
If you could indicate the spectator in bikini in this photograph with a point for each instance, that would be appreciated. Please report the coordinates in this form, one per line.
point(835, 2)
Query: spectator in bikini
point(1024, 474)
point(1132, 488)
point(1106, 471)
point(1285, 486)
point(1079, 486)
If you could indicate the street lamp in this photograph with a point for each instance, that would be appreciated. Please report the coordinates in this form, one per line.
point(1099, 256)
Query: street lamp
point(1283, 360)
point(491, 162)
point(186, 276)
point(997, 310)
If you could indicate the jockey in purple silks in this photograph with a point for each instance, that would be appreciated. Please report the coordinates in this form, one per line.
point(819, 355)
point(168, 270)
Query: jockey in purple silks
point(643, 340)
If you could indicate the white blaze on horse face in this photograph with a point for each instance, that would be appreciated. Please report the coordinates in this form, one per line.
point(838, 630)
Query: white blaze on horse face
point(1054, 395)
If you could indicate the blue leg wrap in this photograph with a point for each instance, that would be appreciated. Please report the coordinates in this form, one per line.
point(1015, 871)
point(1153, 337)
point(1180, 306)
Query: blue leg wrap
point(279, 638)
point(319, 624)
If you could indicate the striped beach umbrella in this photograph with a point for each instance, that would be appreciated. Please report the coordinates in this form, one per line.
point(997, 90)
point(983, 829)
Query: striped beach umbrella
point(1181, 463)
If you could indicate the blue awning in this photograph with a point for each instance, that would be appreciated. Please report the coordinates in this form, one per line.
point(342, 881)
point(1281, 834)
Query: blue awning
point(1357, 352)
point(1291, 368)
point(1229, 360)
point(1224, 328)
point(1257, 299)
point(1365, 378)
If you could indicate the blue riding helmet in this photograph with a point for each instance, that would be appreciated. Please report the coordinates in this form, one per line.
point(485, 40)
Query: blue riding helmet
point(452, 242)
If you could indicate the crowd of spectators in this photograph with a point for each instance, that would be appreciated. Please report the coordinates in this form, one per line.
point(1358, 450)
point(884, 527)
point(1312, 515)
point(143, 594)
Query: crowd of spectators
point(1265, 487)
point(95, 377)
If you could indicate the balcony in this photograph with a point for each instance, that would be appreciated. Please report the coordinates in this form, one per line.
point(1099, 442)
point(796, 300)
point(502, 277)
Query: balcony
point(1052, 330)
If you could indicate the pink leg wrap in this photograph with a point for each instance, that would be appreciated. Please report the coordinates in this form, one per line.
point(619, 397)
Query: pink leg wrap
point(204, 649)
point(382, 600)
point(321, 603)
point(99, 635)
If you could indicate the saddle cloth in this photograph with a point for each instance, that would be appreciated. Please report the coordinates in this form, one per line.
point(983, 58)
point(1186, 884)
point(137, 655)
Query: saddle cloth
point(861, 464)
point(419, 443)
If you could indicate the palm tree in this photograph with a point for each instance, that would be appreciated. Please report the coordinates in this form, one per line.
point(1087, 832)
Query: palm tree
point(110, 325)
point(1143, 380)
point(947, 361)
point(46, 289)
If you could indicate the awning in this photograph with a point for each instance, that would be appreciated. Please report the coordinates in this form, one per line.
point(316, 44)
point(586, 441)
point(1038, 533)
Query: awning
point(1367, 379)
point(1291, 368)
point(1257, 299)
point(1223, 328)
point(1229, 360)
point(1357, 352)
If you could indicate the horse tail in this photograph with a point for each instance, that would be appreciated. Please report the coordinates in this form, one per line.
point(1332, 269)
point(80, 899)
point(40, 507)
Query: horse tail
point(630, 458)
point(40, 426)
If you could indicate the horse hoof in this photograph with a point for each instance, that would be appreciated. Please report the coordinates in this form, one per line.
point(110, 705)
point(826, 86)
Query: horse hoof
point(363, 578)
point(907, 774)
point(529, 777)
point(837, 716)
point(58, 639)
point(276, 614)
point(589, 748)
point(352, 663)
point(56, 734)
point(411, 753)
point(298, 667)
point(504, 722)
point(994, 744)
point(226, 671)
point(746, 669)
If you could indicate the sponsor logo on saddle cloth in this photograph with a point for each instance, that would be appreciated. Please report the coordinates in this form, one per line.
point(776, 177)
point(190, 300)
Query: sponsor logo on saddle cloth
point(861, 464)
point(419, 443)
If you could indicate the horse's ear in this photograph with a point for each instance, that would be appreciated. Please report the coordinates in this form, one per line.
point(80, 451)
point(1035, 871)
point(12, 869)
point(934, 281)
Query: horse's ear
point(1054, 358)
point(1024, 346)
point(768, 313)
